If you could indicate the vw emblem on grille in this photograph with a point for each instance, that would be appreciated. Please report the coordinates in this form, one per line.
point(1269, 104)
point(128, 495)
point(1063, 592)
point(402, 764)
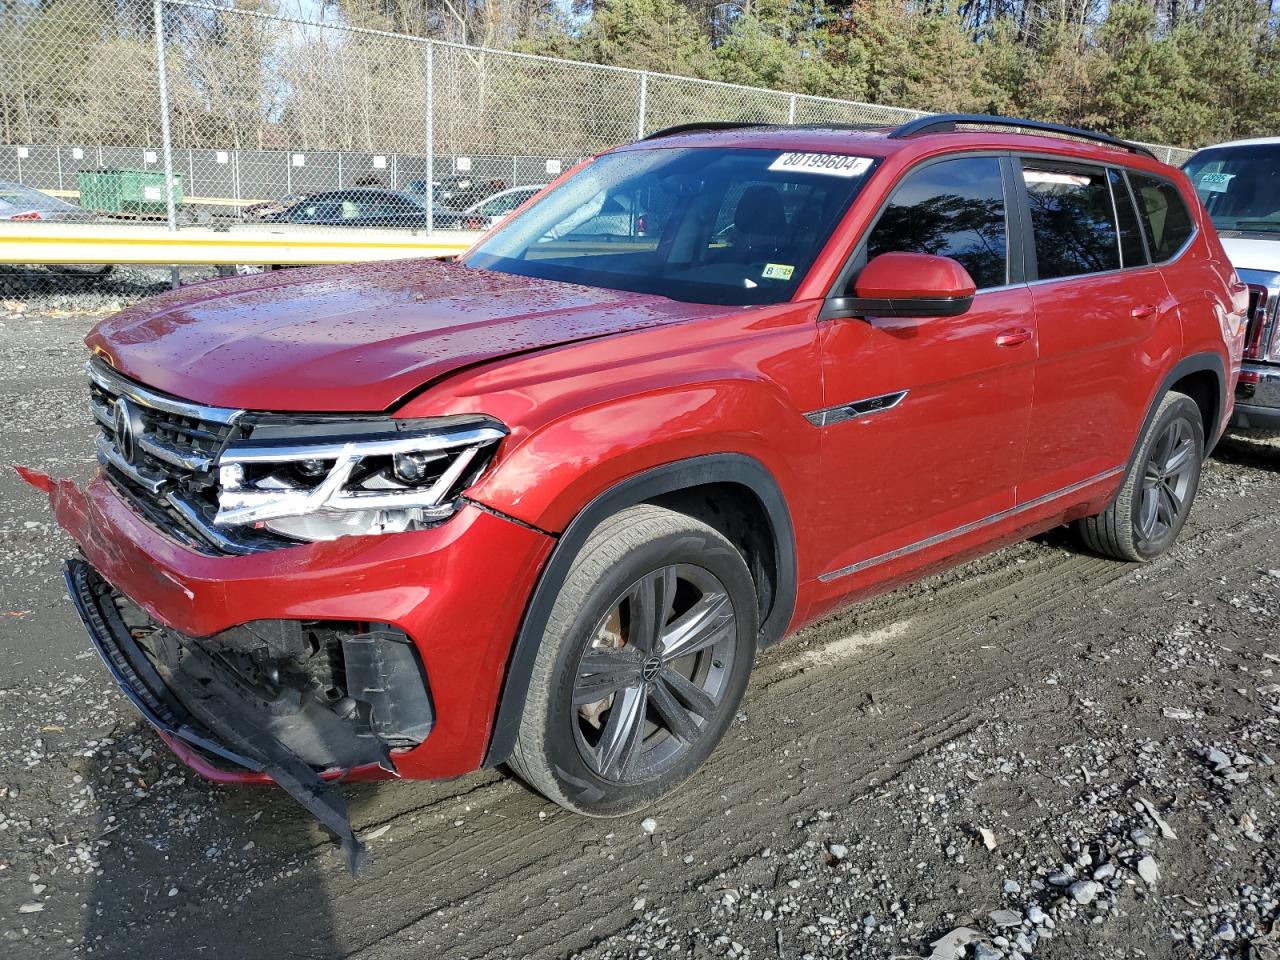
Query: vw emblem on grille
point(122, 426)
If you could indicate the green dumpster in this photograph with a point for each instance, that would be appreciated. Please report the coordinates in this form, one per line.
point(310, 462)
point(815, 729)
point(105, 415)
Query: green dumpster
point(127, 191)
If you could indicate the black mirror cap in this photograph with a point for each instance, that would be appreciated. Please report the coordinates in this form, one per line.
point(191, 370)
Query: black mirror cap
point(843, 308)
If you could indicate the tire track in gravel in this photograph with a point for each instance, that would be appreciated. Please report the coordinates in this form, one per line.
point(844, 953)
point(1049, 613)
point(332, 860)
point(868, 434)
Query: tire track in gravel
point(909, 650)
point(483, 867)
point(1240, 550)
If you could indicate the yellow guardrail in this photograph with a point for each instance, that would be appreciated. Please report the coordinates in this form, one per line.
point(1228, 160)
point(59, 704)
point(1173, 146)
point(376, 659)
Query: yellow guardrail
point(275, 244)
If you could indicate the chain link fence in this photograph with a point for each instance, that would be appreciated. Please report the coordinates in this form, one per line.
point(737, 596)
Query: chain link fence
point(105, 102)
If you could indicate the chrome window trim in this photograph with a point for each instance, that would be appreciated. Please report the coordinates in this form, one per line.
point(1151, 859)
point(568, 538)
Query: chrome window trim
point(967, 527)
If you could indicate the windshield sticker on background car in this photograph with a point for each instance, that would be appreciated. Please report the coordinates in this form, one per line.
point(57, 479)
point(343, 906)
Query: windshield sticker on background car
point(778, 271)
point(1214, 182)
point(831, 164)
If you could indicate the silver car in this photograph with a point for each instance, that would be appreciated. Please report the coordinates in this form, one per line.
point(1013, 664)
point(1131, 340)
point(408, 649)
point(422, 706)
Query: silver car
point(20, 202)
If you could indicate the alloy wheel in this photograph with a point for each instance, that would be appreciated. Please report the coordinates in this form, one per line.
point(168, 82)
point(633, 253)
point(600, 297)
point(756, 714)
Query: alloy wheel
point(1166, 481)
point(654, 673)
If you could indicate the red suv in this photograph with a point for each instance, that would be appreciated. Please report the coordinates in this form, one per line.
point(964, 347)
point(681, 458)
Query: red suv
point(543, 505)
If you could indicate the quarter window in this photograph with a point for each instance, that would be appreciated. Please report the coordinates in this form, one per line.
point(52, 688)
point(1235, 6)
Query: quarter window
point(1164, 215)
point(955, 209)
point(1132, 251)
point(1072, 219)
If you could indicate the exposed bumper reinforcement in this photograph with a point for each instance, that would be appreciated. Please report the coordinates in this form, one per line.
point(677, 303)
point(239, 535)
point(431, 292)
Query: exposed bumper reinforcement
point(217, 733)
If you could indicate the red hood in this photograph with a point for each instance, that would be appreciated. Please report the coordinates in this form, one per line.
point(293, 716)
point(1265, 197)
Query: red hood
point(354, 338)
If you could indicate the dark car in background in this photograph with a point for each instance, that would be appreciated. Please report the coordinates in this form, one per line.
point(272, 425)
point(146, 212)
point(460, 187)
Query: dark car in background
point(270, 208)
point(459, 191)
point(364, 208)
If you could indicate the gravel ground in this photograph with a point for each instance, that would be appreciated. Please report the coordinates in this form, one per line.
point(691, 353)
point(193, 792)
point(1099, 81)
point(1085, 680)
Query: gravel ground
point(1039, 754)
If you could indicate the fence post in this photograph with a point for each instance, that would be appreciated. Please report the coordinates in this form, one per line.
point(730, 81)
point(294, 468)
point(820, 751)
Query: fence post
point(644, 96)
point(791, 109)
point(166, 140)
point(430, 131)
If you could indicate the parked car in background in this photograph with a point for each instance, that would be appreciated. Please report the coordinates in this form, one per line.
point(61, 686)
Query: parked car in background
point(22, 204)
point(1239, 184)
point(364, 208)
point(491, 211)
point(459, 191)
point(262, 211)
point(541, 506)
point(18, 202)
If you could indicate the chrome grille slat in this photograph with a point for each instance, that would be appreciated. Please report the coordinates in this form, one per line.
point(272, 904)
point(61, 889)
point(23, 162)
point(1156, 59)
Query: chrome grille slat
point(174, 449)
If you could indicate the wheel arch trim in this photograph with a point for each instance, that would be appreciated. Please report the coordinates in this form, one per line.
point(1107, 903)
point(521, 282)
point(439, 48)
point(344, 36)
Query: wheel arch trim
point(720, 468)
point(1207, 362)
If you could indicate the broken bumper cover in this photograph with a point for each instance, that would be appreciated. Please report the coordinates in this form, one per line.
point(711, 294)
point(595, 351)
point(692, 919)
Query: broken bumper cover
point(457, 590)
point(218, 734)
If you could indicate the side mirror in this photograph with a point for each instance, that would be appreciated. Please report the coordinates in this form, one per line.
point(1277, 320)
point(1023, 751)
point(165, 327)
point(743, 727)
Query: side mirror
point(906, 285)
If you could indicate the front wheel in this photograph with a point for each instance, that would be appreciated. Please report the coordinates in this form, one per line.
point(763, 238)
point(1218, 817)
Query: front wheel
point(643, 664)
point(1153, 503)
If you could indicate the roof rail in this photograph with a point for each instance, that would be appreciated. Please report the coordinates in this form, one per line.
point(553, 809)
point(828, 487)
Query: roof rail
point(747, 124)
point(946, 123)
point(702, 125)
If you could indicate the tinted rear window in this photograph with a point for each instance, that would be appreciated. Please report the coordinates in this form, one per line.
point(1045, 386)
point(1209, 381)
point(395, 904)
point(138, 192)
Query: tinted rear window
point(1164, 215)
point(1072, 219)
point(1132, 250)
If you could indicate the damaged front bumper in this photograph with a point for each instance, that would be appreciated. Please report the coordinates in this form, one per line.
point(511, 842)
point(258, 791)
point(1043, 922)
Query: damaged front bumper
point(360, 658)
point(193, 703)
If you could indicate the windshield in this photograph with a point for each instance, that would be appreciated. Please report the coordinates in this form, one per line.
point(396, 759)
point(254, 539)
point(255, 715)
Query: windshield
point(1240, 186)
point(704, 225)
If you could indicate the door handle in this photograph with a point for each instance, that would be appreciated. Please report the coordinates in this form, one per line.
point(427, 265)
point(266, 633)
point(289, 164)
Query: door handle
point(1012, 337)
point(1144, 311)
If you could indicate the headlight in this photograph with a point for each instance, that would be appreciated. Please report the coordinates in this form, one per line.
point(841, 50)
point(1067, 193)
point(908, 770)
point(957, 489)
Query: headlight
point(324, 479)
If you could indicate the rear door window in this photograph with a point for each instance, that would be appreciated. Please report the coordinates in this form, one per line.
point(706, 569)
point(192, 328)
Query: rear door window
point(1072, 219)
point(1132, 251)
point(953, 208)
point(1164, 215)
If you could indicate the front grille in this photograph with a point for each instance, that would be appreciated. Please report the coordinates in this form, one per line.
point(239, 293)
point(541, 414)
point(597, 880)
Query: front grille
point(162, 453)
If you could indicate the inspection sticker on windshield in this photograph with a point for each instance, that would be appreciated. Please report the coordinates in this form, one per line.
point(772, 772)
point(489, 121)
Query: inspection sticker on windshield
point(778, 271)
point(831, 164)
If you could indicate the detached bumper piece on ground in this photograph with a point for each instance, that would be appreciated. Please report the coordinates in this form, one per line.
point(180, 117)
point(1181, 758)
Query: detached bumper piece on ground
point(275, 698)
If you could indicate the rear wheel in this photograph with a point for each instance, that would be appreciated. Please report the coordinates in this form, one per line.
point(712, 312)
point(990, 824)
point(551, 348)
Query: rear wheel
point(644, 662)
point(1146, 516)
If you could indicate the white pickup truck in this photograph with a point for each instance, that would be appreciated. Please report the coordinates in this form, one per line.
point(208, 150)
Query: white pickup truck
point(1240, 185)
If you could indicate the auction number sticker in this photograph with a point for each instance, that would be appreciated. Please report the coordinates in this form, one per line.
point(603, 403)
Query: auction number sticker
point(778, 271)
point(1215, 182)
point(830, 164)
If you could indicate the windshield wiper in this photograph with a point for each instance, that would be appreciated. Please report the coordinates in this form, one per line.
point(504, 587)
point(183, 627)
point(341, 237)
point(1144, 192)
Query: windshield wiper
point(1264, 226)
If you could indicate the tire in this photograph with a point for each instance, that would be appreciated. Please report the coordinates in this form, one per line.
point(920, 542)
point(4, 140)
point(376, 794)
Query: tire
point(569, 746)
point(1153, 503)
